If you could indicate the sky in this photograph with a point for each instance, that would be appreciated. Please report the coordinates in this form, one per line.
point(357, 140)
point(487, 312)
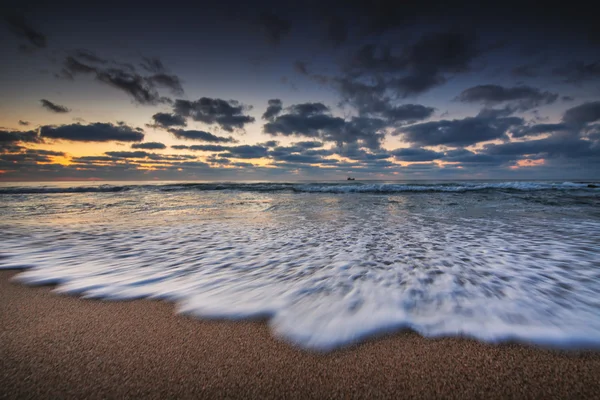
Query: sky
point(322, 90)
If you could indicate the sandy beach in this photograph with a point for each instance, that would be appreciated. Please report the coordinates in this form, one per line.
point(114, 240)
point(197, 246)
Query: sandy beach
point(54, 346)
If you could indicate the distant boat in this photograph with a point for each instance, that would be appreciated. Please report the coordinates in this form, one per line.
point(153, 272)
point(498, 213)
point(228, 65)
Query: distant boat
point(351, 179)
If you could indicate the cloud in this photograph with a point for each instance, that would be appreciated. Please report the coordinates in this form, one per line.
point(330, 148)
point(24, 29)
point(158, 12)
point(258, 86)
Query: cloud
point(124, 77)
point(521, 98)
point(229, 115)
point(166, 120)
point(416, 154)
point(274, 26)
point(314, 120)
point(50, 106)
point(143, 91)
point(201, 135)
point(273, 109)
point(420, 66)
point(23, 123)
point(245, 152)
point(19, 136)
point(149, 156)
point(582, 114)
point(149, 146)
point(459, 132)
point(19, 26)
point(538, 129)
point(578, 72)
point(96, 132)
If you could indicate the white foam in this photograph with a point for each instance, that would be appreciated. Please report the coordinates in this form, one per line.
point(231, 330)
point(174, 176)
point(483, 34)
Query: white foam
point(328, 270)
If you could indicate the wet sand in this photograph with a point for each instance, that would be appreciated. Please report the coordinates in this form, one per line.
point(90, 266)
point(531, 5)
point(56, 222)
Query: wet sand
point(54, 346)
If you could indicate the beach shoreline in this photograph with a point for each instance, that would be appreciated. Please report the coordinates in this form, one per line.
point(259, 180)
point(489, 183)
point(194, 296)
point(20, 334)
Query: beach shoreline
point(54, 346)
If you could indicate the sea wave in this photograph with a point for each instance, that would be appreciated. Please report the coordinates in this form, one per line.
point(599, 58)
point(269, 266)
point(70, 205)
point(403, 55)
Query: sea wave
point(358, 187)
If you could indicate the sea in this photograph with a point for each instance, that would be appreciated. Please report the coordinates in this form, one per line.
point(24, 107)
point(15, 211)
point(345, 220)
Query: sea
point(326, 264)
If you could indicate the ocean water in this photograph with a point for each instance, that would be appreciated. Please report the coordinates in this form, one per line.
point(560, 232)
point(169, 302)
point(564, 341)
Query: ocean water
point(328, 264)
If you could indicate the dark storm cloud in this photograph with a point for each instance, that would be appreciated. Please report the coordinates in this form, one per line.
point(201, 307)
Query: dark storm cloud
point(274, 26)
point(229, 115)
point(273, 109)
point(23, 123)
point(153, 65)
point(520, 97)
point(142, 88)
point(88, 56)
point(578, 72)
point(166, 120)
point(245, 151)
point(373, 100)
point(149, 146)
point(567, 98)
point(539, 129)
point(19, 136)
point(582, 114)
point(416, 154)
point(459, 132)
point(201, 147)
point(50, 106)
point(170, 82)
point(97, 132)
point(147, 155)
point(314, 120)
point(551, 147)
point(19, 26)
point(422, 65)
point(201, 136)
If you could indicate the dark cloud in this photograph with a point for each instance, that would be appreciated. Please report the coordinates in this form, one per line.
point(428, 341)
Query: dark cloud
point(416, 154)
point(50, 106)
point(567, 98)
point(23, 123)
point(315, 121)
point(19, 26)
point(539, 129)
point(88, 56)
point(201, 147)
point(97, 132)
point(201, 136)
point(153, 65)
point(420, 66)
point(170, 82)
point(578, 72)
point(19, 136)
point(525, 71)
point(274, 26)
point(229, 115)
point(148, 156)
point(149, 146)
point(245, 152)
point(459, 132)
point(166, 120)
point(556, 146)
point(142, 88)
point(273, 109)
point(301, 67)
point(582, 114)
point(520, 97)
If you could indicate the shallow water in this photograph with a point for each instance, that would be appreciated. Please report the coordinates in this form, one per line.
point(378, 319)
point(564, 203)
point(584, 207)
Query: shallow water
point(327, 264)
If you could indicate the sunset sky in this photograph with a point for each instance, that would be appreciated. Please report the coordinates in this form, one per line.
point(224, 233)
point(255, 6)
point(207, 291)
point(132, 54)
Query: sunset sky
point(318, 90)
